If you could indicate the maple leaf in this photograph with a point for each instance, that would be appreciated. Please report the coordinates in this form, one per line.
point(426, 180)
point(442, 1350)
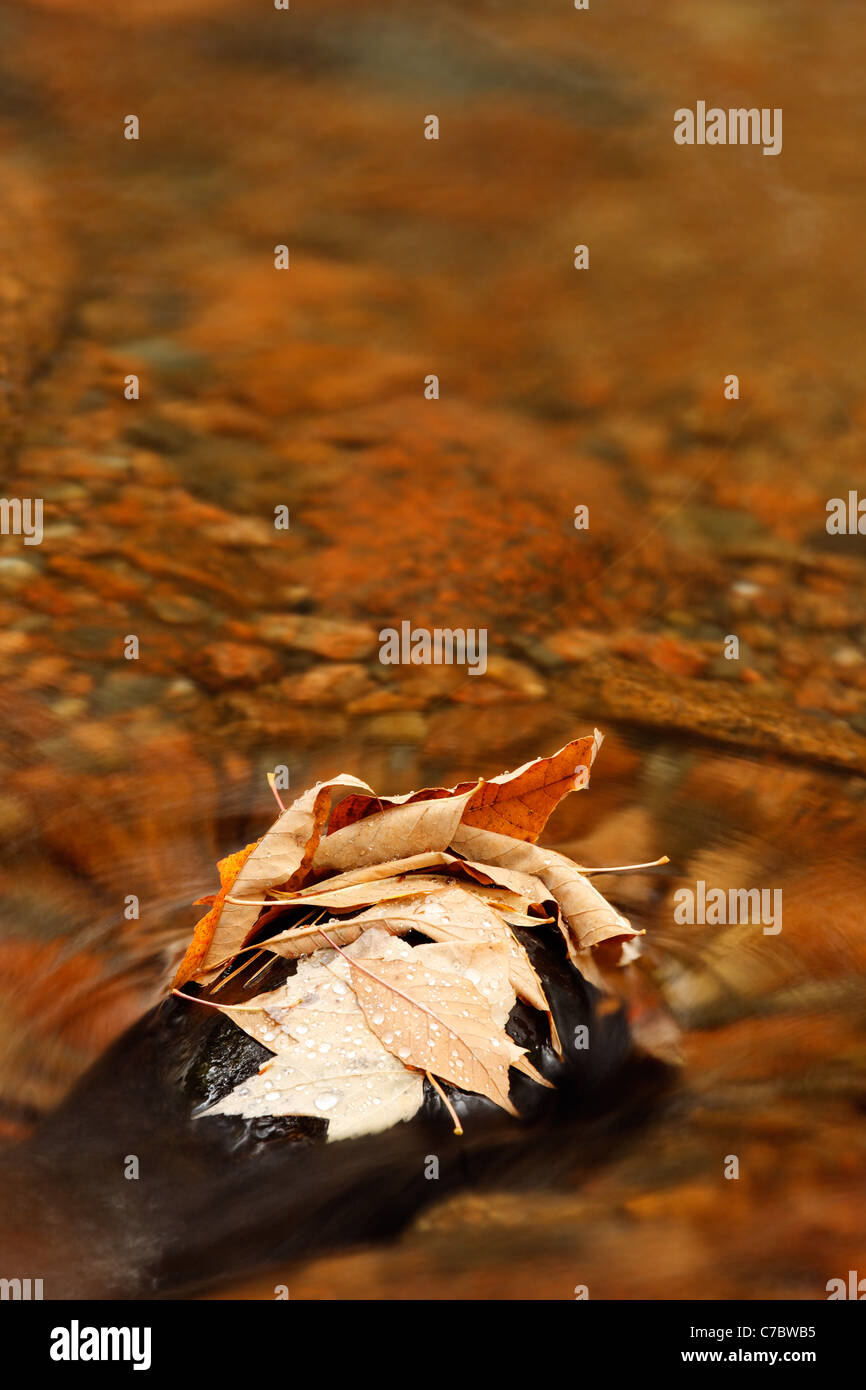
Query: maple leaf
point(455, 915)
point(440, 1009)
point(437, 1021)
point(327, 1061)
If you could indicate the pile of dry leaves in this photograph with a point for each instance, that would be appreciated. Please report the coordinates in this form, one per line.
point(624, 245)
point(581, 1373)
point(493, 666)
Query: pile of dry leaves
point(368, 1014)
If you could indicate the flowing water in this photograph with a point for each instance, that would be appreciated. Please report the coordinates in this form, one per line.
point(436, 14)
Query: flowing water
point(124, 780)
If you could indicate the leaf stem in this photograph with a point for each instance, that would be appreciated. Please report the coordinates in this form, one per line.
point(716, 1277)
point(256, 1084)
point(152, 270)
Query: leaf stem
point(458, 1128)
point(272, 783)
point(627, 868)
point(223, 1008)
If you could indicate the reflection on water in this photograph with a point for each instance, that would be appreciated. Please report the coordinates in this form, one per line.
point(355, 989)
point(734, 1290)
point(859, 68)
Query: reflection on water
point(258, 648)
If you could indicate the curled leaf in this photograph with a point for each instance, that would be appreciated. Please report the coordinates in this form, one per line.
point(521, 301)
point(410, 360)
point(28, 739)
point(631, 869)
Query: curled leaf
point(587, 918)
point(277, 858)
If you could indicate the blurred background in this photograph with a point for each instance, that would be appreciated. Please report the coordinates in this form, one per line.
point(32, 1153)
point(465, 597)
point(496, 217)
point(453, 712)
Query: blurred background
point(559, 388)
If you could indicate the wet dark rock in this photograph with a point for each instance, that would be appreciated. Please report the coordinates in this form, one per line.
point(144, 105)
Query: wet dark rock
point(219, 1196)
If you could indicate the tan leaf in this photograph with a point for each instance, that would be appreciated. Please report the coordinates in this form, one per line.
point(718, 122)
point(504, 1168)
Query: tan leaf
point(443, 911)
point(456, 915)
point(279, 855)
point(529, 886)
point(338, 896)
point(586, 918)
point(520, 890)
point(436, 1022)
point(350, 896)
point(486, 966)
point(372, 873)
point(589, 917)
point(530, 891)
point(423, 827)
point(303, 941)
point(514, 906)
point(463, 938)
point(328, 1062)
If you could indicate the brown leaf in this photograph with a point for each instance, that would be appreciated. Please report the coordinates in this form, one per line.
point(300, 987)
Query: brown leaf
point(528, 886)
point(519, 803)
point(445, 913)
point(589, 917)
point(515, 803)
point(513, 905)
